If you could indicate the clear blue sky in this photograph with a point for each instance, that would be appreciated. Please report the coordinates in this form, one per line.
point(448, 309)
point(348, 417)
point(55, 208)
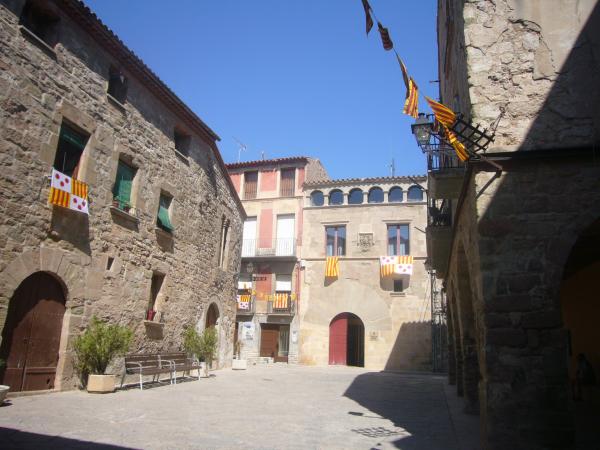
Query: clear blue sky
point(290, 77)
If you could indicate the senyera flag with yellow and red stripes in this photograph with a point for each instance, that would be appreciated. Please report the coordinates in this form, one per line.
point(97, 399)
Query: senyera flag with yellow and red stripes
point(411, 104)
point(446, 117)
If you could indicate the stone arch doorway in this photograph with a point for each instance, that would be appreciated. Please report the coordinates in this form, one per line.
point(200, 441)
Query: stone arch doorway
point(31, 334)
point(580, 309)
point(347, 340)
point(212, 316)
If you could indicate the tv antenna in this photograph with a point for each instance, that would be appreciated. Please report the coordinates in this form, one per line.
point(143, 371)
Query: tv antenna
point(242, 147)
point(393, 168)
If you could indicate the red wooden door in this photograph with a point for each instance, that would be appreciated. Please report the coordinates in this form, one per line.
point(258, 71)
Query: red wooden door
point(31, 336)
point(338, 338)
point(269, 340)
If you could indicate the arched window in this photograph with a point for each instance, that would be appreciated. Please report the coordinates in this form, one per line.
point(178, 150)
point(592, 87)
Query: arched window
point(415, 194)
point(376, 195)
point(355, 197)
point(316, 198)
point(336, 197)
point(395, 195)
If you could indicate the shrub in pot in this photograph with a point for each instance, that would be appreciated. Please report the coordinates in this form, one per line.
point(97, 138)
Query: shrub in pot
point(203, 346)
point(95, 349)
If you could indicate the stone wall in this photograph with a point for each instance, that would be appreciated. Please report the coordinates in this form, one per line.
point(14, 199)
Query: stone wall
point(535, 61)
point(106, 260)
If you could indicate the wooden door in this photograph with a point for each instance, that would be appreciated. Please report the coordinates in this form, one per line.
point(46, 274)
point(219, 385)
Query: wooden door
point(338, 337)
point(31, 336)
point(269, 340)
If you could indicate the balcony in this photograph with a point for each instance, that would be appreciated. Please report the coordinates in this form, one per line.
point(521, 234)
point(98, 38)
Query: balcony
point(265, 248)
point(439, 234)
point(446, 172)
point(245, 305)
point(282, 305)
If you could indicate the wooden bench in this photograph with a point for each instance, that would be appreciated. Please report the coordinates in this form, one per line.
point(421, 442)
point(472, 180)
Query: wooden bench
point(180, 362)
point(147, 364)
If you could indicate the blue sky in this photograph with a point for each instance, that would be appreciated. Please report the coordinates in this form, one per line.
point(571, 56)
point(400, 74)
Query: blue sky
point(290, 77)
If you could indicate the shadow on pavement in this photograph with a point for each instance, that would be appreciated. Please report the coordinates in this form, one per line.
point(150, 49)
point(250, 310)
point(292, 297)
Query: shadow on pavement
point(415, 403)
point(17, 440)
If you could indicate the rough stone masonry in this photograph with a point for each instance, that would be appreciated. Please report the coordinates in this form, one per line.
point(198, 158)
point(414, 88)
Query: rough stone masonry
point(106, 261)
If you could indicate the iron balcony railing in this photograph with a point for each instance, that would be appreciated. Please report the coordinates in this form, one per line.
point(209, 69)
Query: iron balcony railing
point(281, 304)
point(245, 304)
point(441, 157)
point(268, 247)
point(439, 213)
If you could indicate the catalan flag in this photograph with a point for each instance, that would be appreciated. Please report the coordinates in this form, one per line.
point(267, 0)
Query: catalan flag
point(332, 269)
point(458, 146)
point(385, 37)
point(386, 265)
point(404, 265)
point(281, 300)
point(369, 20)
point(411, 104)
point(243, 301)
point(68, 192)
point(443, 114)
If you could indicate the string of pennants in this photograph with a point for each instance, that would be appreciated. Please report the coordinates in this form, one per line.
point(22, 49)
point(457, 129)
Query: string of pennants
point(443, 115)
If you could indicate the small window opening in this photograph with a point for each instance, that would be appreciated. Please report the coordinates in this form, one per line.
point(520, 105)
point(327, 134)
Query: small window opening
point(155, 288)
point(109, 263)
point(38, 18)
point(123, 186)
point(250, 185)
point(163, 220)
point(398, 286)
point(182, 142)
point(287, 183)
point(223, 243)
point(117, 84)
point(71, 144)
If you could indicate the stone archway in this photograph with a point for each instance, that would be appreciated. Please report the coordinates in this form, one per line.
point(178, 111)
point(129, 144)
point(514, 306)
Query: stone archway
point(347, 340)
point(32, 332)
point(212, 316)
point(580, 309)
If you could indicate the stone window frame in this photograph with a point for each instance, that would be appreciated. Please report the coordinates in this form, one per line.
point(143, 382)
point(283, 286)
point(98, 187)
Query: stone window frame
point(52, 25)
point(224, 242)
point(166, 193)
point(182, 141)
point(129, 160)
point(112, 91)
point(317, 191)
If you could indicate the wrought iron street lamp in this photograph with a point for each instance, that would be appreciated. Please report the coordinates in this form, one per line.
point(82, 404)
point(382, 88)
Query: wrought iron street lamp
point(422, 130)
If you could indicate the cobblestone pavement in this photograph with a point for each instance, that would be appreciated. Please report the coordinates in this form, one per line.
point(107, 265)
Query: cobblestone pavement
point(276, 406)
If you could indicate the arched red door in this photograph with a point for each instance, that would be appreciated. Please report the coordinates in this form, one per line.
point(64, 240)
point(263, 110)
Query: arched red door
point(31, 335)
point(346, 340)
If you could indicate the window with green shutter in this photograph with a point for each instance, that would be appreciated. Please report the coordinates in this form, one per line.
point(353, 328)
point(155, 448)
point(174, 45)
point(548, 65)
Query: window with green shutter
point(163, 220)
point(71, 144)
point(123, 183)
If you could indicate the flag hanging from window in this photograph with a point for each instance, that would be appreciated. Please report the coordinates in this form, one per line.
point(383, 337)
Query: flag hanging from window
point(369, 20)
point(411, 104)
point(68, 192)
point(243, 301)
point(404, 266)
point(385, 37)
point(281, 301)
point(387, 264)
point(332, 269)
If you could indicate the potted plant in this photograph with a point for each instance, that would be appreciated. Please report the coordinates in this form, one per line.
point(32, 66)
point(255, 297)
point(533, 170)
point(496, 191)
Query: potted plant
point(3, 388)
point(202, 346)
point(95, 349)
point(116, 202)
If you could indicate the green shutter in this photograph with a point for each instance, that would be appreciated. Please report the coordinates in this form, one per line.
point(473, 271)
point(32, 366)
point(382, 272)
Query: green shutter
point(122, 188)
point(73, 137)
point(163, 214)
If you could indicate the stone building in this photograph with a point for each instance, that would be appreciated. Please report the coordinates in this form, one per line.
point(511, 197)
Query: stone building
point(361, 317)
point(518, 245)
point(160, 247)
point(269, 285)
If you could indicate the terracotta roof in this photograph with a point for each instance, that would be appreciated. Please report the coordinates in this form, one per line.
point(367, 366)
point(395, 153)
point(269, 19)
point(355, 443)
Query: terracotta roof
point(267, 162)
point(349, 181)
point(104, 36)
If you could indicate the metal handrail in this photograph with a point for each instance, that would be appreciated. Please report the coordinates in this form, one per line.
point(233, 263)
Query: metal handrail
point(268, 247)
point(439, 213)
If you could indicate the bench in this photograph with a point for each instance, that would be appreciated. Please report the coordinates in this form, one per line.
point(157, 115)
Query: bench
point(180, 362)
point(146, 364)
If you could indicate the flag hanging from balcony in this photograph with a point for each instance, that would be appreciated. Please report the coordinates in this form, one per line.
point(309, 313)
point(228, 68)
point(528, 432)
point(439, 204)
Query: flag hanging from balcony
point(446, 117)
point(404, 265)
point(411, 104)
point(68, 192)
point(369, 20)
point(385, 37)
point(332, 269)
point(243, 301)
point(281, 301)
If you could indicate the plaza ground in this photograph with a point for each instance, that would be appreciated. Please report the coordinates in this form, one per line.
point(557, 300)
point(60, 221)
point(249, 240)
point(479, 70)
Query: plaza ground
point(272, 406)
